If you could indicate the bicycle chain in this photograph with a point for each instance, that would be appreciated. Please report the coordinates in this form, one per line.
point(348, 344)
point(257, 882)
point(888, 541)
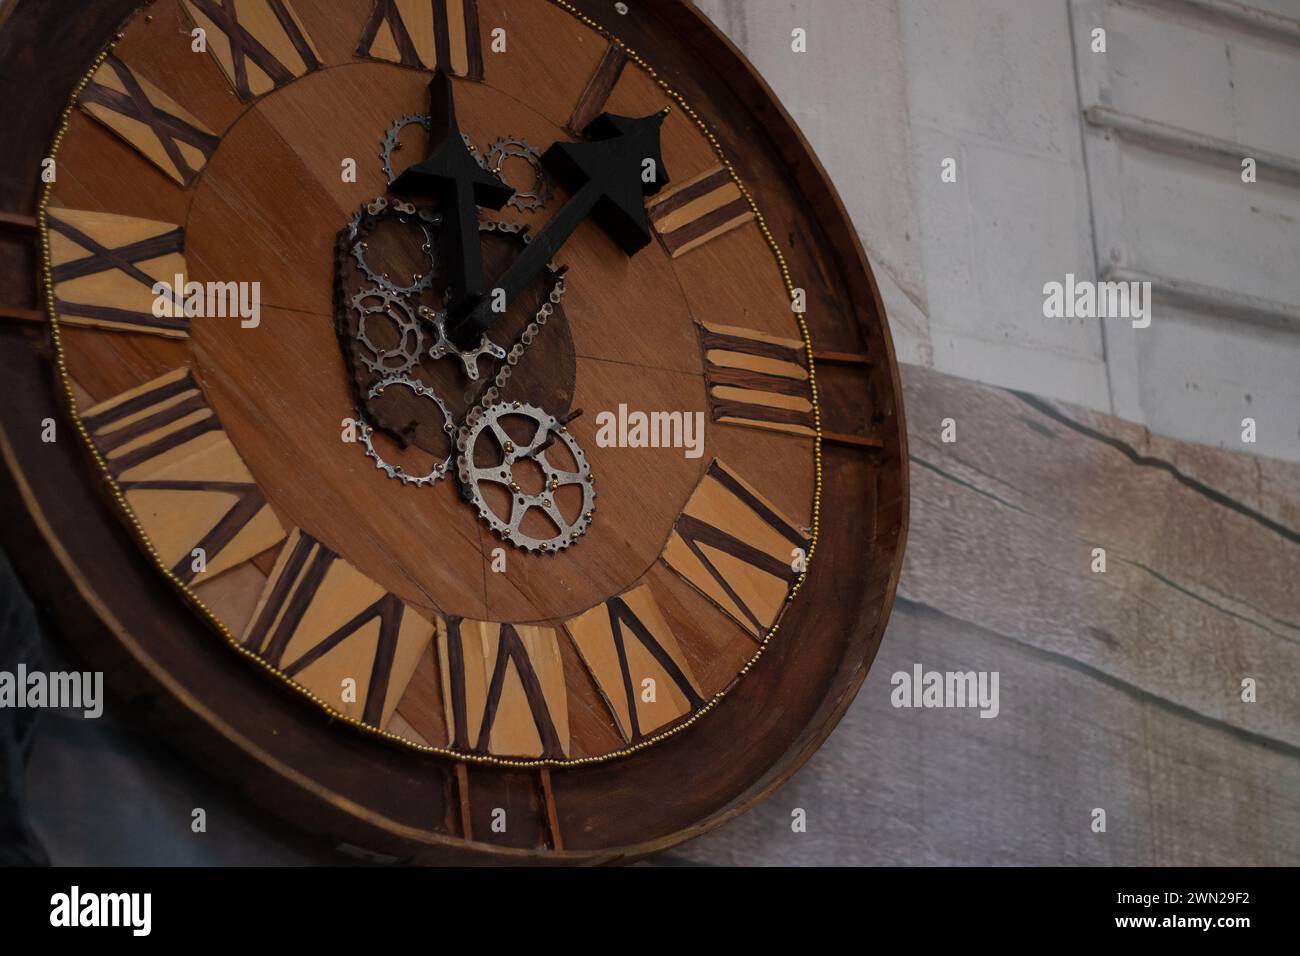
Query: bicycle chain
point(490, 391)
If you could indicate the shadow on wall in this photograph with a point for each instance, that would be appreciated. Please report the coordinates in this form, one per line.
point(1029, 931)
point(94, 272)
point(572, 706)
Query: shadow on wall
point(20, 642)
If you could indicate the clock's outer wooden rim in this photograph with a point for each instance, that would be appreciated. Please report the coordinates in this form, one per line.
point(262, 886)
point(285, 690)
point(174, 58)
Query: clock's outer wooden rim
point(79, 561)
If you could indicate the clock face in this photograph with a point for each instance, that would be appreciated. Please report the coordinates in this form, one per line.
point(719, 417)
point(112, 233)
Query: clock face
point(442, 358)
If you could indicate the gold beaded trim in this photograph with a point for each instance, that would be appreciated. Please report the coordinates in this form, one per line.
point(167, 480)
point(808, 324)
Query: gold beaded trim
point(219, 626)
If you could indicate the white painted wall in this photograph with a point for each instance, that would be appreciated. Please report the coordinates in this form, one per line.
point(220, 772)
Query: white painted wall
point(889, 88)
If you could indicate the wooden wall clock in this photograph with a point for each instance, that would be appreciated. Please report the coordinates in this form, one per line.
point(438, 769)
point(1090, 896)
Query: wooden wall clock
point(391, 546)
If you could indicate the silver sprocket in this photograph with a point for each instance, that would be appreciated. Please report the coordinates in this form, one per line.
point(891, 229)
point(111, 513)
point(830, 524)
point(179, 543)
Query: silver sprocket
point(440, 469)
point(443, 345)
point(548, 430)
point(392, 141)
point(420, 281)
point(513, 147)
point(372, 303)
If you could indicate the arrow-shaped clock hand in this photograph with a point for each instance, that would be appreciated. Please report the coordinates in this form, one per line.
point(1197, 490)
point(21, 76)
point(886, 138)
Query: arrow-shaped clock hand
point(454, 178)
point(608, 178)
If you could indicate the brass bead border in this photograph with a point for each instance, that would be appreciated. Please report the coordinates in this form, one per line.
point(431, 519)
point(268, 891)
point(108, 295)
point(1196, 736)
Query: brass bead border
point(219, 626)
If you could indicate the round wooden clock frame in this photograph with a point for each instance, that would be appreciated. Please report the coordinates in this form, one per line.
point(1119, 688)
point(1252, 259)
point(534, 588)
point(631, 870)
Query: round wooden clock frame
point(360, 785)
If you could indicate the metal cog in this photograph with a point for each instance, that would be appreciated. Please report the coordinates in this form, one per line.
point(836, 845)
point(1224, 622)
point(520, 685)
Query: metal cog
point(443, 345)
point(393, 308)
point(440, 469)
point(513, 147)
point(421, 280)
point(549, 429)
point(392, 142)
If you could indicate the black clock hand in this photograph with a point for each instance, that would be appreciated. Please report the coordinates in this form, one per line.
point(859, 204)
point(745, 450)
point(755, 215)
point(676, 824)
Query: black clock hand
point(608, 178)
point(452, 176)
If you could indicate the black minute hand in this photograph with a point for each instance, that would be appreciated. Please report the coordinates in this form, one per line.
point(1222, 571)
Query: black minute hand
point(608, 178)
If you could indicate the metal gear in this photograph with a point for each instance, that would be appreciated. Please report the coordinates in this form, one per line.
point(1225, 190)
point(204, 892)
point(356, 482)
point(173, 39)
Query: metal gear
point(394, 309)
point(443, 345)
point(392, 142)
point(512, 147)
point(440, 469)
point(548, 430)
point(421, 280)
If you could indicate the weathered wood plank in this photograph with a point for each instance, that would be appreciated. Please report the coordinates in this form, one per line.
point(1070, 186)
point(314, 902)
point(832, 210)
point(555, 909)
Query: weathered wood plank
point(1118, 690)
point(945, 787)
point(1199, 591)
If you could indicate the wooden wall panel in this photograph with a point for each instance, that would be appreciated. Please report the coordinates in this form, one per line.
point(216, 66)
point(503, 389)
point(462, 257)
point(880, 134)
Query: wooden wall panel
point(1118, 690)
point(1199, 590)
point(944, 787)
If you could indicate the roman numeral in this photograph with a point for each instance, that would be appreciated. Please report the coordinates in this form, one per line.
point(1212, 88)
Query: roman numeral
point(321, 621)
point(182, 477)
point(757, 380)
point(736, 549)
point(259, 44)
point(626, 642)
point(592, 101)
point(426, 34)
point(503, 685)
point(701, 209)
point(149, 120)
point(105, 267)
